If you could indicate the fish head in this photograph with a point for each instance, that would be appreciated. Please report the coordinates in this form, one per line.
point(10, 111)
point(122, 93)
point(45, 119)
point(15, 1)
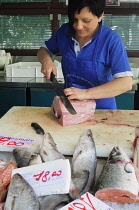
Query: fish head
point(48, 141)
point(86, 140)
point(85, 146)
point(118, 155)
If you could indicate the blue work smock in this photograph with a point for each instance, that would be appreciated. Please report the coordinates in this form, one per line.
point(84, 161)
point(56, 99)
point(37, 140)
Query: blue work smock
point(97, 63)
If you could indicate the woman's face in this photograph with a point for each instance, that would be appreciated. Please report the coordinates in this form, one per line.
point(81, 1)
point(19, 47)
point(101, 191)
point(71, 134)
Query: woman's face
point(86, 23)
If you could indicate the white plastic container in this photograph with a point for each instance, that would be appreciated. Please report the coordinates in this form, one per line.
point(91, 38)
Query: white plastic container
point(24, 69)
point(2, 53)
point(2, 61)
point(29, 69)
point(5, 58)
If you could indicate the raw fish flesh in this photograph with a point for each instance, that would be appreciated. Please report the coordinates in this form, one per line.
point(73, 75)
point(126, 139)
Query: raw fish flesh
point(85, 111)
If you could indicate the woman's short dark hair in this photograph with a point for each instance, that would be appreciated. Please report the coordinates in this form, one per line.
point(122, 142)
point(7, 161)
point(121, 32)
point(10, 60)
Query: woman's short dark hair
point(95, 6)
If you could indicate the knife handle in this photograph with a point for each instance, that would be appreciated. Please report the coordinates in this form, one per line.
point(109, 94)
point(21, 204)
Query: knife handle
point(52, 76)
point(37, 128)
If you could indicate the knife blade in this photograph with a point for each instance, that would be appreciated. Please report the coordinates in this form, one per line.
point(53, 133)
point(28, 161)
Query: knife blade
point(62, 95)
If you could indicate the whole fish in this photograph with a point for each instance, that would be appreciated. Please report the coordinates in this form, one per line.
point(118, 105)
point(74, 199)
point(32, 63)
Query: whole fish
point(21, 195)
point(117, 181)
point(49, 152)
point(84, 162)
point(22, 156)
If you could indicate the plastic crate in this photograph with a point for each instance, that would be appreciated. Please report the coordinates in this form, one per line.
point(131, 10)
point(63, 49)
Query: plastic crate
point(24, 69)
point(29, 69)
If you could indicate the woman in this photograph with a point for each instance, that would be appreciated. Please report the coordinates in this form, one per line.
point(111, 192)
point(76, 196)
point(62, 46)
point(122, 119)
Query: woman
point(94, 60)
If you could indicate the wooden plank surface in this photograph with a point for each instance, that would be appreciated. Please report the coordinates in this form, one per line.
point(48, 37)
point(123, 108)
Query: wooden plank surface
point(110, 128)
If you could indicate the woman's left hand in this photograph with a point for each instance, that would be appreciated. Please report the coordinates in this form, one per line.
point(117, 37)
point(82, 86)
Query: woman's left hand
point(76, 93)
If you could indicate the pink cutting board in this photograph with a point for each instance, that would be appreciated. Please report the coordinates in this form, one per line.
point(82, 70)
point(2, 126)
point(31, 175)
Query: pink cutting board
point(110, 128)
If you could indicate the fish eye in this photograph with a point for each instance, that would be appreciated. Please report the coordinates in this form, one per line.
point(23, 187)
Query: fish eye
point(128, 168)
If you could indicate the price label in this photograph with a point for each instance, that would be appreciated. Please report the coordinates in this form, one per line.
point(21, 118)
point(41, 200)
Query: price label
point(15, 142)
point(48, 178)
point(87, 202)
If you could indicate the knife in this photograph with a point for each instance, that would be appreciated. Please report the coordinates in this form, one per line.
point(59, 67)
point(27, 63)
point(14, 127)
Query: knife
point(38, 128)
point(62, 95)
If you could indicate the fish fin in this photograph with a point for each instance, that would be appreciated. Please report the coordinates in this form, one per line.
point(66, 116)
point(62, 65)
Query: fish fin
point(85, 176)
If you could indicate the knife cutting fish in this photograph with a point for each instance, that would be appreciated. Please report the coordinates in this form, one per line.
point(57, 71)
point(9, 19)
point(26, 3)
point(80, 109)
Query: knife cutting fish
point(62, 95)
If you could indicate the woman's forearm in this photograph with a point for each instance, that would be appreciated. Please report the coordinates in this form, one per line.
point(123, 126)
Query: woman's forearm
point(108, 90)
point(111, 89)
point(43, 55)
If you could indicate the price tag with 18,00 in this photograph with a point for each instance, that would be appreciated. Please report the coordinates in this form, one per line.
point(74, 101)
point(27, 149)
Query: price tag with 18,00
point(52, 177)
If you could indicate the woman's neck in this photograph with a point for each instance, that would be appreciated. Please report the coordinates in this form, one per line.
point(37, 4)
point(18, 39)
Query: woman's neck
point(83, 40)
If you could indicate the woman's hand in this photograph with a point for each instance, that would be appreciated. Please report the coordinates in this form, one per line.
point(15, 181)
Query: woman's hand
point(76, 93)
point(48, 65)
point(47, 68)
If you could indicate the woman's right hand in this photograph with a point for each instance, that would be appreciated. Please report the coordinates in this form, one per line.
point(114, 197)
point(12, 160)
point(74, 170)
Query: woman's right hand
point(48, 65)
point(47, 68)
